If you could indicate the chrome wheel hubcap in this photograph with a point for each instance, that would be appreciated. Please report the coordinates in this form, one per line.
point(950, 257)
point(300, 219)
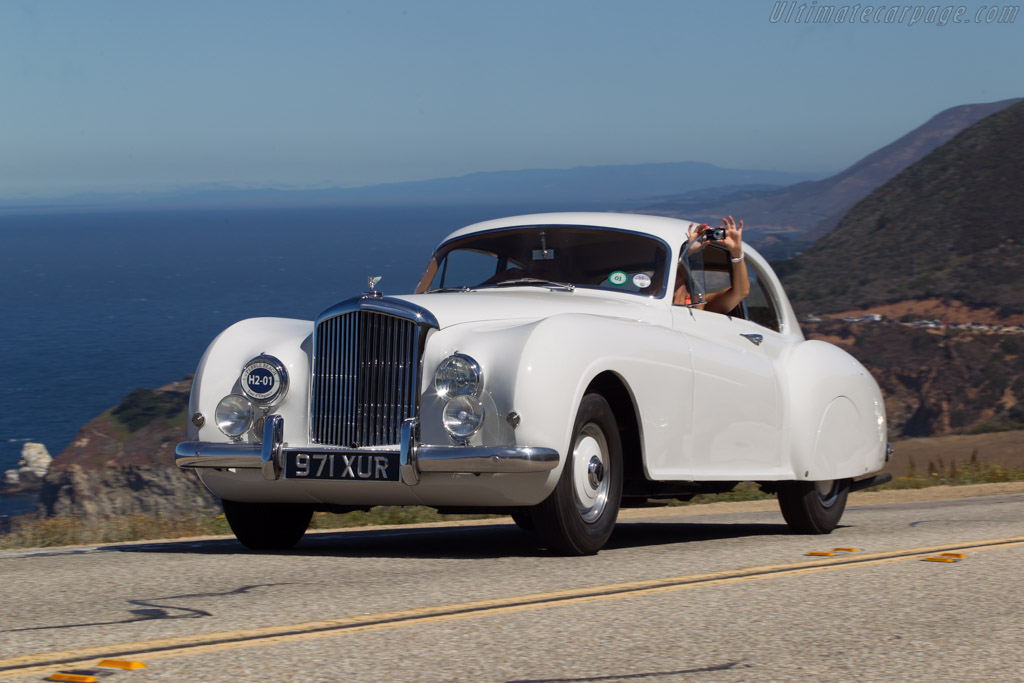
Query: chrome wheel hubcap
point(828, 491)
point(595, 472)
point(589, 470)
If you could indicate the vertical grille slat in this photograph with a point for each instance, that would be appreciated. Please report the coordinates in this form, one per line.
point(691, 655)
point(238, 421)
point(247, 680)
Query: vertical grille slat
point(364, 375)
point(349, 348)
point(331, 372)
point(352, 382)
point(389, 387)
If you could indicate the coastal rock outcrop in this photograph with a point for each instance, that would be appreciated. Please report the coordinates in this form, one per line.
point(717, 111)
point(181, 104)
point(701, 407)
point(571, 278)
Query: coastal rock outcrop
point(122, 490)
point(122, 462)
point(31, 470)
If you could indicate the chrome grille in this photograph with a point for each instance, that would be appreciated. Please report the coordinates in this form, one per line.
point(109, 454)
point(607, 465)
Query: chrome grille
point(365, 379)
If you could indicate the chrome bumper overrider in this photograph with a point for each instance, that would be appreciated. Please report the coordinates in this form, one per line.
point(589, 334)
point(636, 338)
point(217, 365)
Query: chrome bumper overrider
point(414, 458)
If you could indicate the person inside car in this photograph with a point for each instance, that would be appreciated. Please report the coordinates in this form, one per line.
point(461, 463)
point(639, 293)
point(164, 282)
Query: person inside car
point(727, 299)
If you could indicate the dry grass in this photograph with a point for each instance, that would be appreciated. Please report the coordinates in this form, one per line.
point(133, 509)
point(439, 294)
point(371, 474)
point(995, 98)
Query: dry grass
point(921, 457)
point(29, 531)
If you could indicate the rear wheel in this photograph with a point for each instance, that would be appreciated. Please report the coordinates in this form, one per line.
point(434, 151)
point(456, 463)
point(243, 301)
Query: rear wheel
point(579, 515)
point(267, 526)
point(813, 507)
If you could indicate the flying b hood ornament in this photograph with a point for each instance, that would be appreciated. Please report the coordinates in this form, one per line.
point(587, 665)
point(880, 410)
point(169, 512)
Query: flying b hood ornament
point(372, 282)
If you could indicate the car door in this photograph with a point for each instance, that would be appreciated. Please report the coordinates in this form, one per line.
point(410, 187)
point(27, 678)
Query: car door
point(736, 409)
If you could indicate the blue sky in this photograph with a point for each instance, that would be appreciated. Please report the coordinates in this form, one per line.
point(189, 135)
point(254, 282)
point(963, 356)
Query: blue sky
point(126, 95)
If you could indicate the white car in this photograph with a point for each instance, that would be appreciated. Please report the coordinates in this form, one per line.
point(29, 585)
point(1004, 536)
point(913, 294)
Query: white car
point(541, 370)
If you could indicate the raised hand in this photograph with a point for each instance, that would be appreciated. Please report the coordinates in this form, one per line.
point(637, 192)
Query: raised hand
point(693, 231)
point(733, 240)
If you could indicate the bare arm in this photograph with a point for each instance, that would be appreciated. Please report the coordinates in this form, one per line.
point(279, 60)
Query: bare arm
point(728, 299)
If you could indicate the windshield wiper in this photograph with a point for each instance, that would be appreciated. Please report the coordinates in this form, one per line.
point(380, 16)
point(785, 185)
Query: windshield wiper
point(463, 288)
point(535, 282)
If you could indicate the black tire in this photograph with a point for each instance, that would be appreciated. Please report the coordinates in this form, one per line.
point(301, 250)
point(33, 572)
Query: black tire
point(813, 507)
point(579, 515)
point(267, 526)
point(523, 518)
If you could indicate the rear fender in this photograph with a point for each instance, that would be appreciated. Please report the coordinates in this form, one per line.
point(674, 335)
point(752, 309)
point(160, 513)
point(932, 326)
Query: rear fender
point(836, 414)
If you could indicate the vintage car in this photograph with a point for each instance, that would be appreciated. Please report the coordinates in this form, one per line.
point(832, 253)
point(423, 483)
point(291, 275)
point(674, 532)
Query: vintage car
point(540, 369)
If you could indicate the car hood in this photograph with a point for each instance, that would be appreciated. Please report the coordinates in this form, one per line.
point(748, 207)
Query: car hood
point(453, 308)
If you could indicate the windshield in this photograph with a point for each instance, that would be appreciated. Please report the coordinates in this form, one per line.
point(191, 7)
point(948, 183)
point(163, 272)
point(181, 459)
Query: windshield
point(550, 256)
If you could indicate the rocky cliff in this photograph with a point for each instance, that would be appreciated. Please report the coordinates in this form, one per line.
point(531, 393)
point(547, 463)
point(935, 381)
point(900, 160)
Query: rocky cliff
point(122, 462)
point(938, 379)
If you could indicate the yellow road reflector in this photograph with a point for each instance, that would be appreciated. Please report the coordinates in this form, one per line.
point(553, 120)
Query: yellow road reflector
point(77, 678)
point(121, 664)
point(947, 557)
point(832, 553)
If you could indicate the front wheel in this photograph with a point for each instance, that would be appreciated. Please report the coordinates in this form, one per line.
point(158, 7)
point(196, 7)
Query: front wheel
point(579, 515)
point(267, 526)
point(813, 507)
point(522, 518)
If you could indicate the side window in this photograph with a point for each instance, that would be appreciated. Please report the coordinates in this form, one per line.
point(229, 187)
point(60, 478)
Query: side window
point(760, 307)
point(712, 273)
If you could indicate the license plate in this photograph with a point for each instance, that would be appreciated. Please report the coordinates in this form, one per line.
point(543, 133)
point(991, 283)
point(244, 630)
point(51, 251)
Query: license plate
point(341, 466)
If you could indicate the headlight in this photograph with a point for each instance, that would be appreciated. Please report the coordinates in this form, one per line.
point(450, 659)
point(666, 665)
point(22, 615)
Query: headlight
point(457, 375)
point(463, 416)
point(234, 415)
point(264, 380)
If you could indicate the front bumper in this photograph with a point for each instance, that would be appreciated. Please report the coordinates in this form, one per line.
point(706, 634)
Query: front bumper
point(414, 458)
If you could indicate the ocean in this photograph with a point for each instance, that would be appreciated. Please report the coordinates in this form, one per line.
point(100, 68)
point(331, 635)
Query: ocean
point(95, 304)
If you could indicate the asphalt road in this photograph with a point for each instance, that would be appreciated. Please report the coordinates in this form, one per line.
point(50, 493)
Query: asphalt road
point(676, 596)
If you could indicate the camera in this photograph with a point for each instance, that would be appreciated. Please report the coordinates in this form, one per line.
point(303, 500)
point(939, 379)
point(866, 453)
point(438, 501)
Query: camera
point(714, 234)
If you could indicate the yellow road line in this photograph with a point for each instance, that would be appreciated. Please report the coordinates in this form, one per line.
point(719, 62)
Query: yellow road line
point(226, 640)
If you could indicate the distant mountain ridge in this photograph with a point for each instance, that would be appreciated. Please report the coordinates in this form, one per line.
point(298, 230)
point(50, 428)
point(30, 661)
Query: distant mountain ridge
point(806, 211)
point(948, 227)
point(592, 187)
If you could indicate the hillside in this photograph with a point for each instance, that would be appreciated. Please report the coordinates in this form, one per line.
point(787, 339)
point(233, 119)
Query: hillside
point(803, 213)
point(947, 228)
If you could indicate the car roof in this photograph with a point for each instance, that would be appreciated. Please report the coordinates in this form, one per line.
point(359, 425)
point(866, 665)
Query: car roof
point(671, 230)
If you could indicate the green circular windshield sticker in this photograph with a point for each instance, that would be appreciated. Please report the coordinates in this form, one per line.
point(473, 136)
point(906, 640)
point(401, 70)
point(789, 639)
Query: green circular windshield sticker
point(618, 278)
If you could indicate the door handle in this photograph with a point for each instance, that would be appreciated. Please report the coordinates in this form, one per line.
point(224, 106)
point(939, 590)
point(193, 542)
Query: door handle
point(755, 339)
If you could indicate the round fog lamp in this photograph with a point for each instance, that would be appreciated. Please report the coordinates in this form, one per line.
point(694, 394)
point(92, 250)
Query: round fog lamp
point(457, 375)
point(234, 415)
point(463, 416)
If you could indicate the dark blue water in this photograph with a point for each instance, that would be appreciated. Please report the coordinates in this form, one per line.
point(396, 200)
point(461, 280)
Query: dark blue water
point(93, 305)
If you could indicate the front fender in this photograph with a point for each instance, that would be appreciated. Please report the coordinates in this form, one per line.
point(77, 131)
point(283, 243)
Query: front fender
point(542, 369)
point(289, 340)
